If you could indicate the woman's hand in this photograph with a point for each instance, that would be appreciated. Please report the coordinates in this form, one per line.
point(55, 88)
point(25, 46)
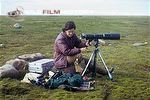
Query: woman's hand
point(88, 43)
point(83, 49)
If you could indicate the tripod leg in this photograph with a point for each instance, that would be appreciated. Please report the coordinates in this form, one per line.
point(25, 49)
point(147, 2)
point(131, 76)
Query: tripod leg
point(110, 76)
point(87, 64)
point(94, 63)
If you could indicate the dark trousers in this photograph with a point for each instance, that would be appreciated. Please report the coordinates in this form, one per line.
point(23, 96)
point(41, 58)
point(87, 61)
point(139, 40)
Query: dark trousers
point(82, 63)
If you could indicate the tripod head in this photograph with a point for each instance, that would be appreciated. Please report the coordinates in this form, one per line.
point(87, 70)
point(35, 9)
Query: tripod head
point(96, 42)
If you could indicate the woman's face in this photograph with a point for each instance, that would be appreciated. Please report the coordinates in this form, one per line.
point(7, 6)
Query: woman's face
point(70, 32)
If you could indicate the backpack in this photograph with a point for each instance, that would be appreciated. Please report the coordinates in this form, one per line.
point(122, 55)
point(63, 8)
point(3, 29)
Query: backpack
point(73, 80)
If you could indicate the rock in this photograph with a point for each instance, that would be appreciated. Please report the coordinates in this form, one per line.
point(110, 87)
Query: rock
point(18, 26)
point(8, 71)
point(16, 69)
point(20, 64)
point(140, 44)
point(31, 57)
point(2, 46)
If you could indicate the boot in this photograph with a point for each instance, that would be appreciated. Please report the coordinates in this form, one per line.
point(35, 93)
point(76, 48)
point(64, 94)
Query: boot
point(99, 70)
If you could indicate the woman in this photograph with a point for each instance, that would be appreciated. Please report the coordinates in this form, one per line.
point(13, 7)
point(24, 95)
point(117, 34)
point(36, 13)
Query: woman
point(67, 48)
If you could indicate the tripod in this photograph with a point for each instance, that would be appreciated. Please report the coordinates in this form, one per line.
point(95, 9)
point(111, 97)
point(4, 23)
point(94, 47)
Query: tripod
point(94, 57)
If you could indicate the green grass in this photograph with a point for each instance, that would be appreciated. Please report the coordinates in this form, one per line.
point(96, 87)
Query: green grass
point(132, 72)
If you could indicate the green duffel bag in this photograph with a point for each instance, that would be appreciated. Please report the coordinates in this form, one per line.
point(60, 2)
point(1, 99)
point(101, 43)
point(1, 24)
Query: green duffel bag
point(76, 80)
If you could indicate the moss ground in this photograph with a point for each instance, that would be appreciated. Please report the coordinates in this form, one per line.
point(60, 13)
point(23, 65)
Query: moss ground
point(132, 71)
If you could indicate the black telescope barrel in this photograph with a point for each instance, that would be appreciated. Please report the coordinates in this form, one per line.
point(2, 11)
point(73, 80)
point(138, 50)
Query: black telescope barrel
point(113, 36)
point(105, 36)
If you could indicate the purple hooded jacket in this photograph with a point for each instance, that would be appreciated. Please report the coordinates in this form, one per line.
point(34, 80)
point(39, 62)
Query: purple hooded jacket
point(65, 46)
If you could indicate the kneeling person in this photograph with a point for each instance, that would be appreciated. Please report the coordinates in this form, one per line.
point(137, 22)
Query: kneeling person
point(67, 48)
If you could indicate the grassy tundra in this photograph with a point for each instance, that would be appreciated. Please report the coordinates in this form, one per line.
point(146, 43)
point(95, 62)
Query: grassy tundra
point(132, 71)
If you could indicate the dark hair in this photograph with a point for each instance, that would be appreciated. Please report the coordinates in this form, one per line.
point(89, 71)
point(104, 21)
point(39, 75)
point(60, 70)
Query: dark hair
point(69, 25)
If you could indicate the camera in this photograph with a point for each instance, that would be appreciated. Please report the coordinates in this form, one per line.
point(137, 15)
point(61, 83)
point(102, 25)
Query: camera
point(105, 36)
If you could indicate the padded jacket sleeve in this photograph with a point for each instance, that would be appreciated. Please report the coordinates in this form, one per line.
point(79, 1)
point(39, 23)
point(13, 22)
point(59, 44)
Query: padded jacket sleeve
point(64, 49)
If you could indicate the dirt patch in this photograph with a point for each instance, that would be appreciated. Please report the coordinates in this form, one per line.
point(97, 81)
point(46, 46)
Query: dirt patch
point(107, 92)
point(143, 67)
point(16, 90)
